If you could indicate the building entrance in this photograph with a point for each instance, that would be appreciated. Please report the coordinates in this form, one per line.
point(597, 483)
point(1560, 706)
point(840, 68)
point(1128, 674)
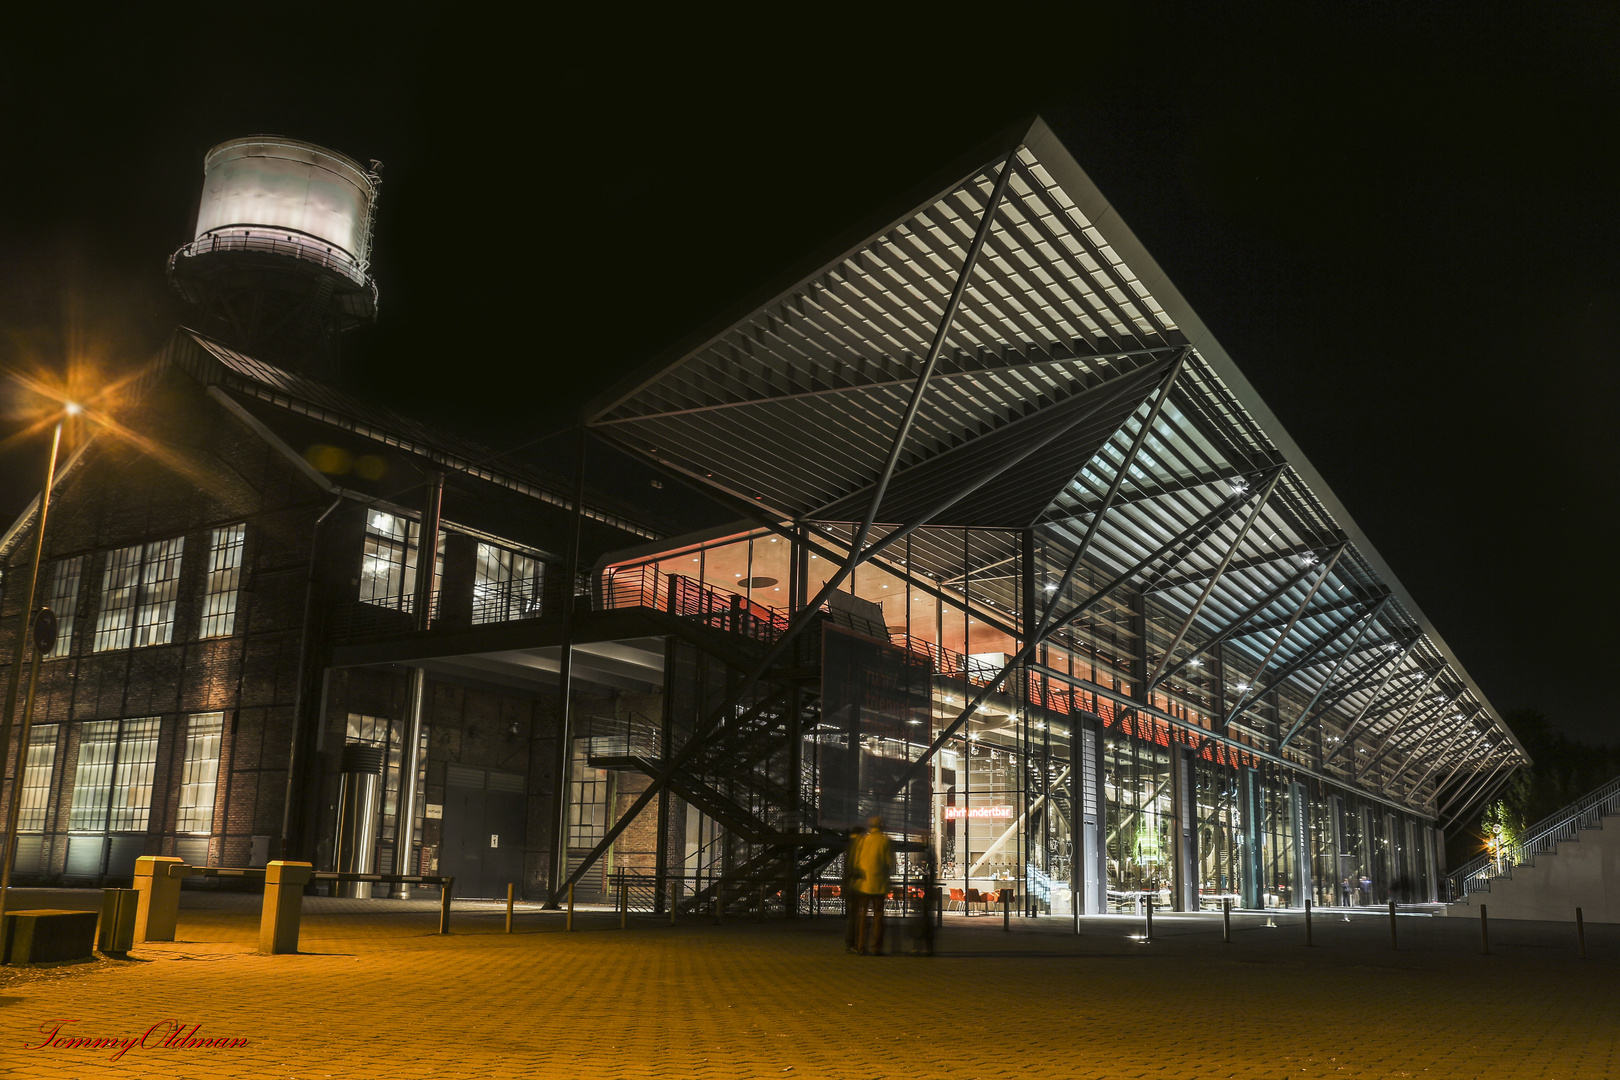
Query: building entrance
point(484, 830)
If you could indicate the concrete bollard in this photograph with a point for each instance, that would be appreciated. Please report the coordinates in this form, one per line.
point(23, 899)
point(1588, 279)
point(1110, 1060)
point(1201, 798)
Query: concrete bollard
point(115, 935)
point(570, 925)
point(283, 905)
point(158, 907)
point(446, 892)
point(1226, 919)
point(510, 889)
point(1580, 934)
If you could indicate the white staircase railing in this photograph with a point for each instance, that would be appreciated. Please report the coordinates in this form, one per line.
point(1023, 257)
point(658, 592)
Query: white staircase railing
point(1587, 812)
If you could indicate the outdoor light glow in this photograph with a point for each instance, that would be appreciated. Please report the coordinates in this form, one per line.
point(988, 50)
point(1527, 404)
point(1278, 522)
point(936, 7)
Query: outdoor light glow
point(72, 408)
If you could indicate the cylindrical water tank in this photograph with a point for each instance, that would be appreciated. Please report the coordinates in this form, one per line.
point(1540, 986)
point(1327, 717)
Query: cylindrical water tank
point(273, 194)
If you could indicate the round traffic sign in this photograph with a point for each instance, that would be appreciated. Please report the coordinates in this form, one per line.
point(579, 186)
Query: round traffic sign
point(44, 631)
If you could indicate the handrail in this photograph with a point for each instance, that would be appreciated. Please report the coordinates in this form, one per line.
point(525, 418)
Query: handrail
point(1539, 839)
point(298, 243)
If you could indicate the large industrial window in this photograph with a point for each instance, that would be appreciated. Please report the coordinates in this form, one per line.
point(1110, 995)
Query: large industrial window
point(138, 590)
point(587, 798)
point(388, 564)
point(36, 790)
point(507, 586)
point(200, 773)
point(224, 576)
point(64, 601)
point(112, 785)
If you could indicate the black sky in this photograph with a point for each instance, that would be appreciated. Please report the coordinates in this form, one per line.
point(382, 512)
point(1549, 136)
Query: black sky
point(1400, 222)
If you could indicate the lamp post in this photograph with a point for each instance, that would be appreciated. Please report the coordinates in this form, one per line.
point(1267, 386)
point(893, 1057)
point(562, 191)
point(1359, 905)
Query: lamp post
point(14, 677)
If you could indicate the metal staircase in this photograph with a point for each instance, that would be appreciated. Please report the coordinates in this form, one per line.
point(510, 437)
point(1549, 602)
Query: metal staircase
point(743, 773)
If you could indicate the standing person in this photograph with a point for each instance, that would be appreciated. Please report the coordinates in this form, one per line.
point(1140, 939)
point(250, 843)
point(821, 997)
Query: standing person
point(874, 858)
point(923, 928)
point(849, 892)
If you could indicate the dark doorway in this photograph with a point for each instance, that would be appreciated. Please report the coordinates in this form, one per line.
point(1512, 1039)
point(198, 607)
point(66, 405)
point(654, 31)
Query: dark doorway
point(484, 831)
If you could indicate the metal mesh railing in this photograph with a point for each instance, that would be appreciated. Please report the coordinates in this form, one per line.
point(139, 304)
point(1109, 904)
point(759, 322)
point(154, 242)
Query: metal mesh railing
point(1544, 836)
point(688, 598)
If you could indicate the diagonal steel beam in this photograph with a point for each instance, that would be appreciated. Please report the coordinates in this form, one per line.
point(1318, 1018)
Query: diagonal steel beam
point(1391, 740)
point(1483, 797)
point(1451, 735)
point(1300, 663)
point(1288, 628)
point(1476, 790)
point(858, 553)
point(1445, 755)
point(1175, 549)
point(1304, 714)
point(1084, 547)
point(1479, 777)
point(1209, 586)
point(1352, 729)
point(946, 319)
point(1366, 676)
point(1236, 625)
point(1391, 719)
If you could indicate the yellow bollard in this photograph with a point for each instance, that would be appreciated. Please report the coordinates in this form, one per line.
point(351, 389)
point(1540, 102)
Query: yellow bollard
point(510, 888)
point(158, 907)
point(283, 905)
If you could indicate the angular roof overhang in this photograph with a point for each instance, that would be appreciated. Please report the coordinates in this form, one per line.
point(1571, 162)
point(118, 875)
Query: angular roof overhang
point(1064, 331)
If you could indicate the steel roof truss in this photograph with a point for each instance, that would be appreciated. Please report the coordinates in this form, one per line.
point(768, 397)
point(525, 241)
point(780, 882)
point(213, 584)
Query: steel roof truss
point(1271, 654)
point(1237, 542)
point(1234, 626)
point(1305, 713)
point(1351, 729)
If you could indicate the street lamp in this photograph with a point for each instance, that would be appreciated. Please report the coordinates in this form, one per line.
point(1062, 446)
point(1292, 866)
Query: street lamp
point(14, 678)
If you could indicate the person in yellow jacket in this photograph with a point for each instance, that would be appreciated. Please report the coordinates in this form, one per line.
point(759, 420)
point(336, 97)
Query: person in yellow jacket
point(874, 867)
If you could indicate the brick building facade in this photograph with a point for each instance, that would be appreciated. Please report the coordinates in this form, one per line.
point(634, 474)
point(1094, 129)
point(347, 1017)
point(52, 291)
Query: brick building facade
point(204, 571)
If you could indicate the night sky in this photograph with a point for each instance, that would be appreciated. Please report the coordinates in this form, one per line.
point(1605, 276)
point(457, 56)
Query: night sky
point(1401, 225)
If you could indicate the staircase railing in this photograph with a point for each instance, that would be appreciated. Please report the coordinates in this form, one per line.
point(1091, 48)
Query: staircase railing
point(1587, 812)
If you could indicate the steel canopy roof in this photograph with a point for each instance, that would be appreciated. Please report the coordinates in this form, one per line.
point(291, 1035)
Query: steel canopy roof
point(1064, 333)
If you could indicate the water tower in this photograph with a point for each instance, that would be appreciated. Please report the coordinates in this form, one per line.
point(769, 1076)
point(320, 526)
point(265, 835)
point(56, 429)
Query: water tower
point(280, 260)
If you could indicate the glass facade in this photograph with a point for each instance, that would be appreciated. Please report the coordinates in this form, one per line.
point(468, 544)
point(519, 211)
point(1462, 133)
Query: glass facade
point(1068, 786)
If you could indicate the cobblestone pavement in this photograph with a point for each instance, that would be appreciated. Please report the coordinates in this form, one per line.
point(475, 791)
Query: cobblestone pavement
point(378, 993)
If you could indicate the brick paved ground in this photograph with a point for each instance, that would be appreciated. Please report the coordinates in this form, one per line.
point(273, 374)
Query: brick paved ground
point(377, 993)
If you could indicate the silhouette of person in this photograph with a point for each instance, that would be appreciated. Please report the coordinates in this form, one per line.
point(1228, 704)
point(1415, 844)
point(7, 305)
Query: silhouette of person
point(874, 859)
point(852, 875)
